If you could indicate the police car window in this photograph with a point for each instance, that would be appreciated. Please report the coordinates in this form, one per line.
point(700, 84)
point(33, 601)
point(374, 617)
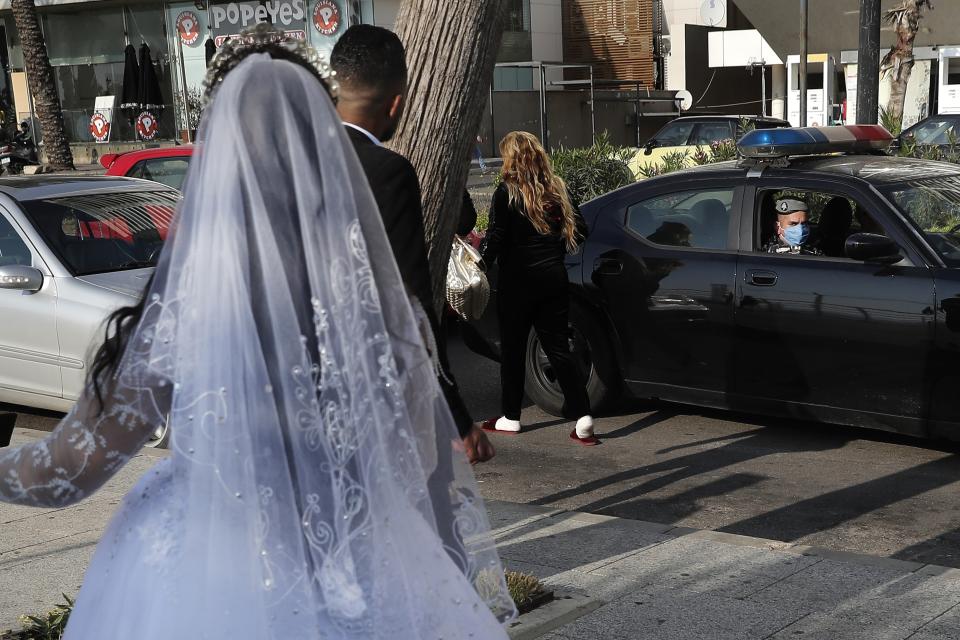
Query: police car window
point(674, 134)
point(13, 250)
point(830, 219)
point(933, 206)
point(696, 218)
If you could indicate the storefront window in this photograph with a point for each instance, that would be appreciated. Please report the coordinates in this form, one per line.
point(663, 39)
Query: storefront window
point(81, 84)
point(88, 36)
point(86, 49)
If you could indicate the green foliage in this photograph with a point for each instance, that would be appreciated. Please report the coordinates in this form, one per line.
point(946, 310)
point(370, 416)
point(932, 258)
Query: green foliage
point(950, 152)
point(670, 162)
point(483, 221)
point(891, 123)
point(595, 170)
point(746, 125)
point(46, 627)
point(723, 150)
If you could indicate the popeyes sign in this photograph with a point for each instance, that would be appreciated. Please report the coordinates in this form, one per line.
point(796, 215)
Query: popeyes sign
point(188, 27)
point(238, 16)
point(326, 17)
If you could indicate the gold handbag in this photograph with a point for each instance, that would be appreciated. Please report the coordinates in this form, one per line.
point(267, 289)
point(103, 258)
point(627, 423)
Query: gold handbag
point(467, 288)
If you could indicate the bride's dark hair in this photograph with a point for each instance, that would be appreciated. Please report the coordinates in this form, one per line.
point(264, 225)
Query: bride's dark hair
point(264, 38)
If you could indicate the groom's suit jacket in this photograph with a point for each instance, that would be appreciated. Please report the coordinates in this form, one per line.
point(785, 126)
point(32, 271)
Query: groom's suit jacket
point(396, 189)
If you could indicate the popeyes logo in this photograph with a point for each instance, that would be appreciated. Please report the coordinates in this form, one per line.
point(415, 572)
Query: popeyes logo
point(326, 17)
point(99, 127)
point(188, 27)
point(147, 127)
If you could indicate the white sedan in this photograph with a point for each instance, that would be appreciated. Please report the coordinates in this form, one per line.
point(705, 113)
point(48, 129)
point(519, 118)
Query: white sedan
point(72, 250)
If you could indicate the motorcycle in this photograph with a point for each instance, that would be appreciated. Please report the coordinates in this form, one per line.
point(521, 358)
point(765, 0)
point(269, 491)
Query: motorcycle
point(19, 152)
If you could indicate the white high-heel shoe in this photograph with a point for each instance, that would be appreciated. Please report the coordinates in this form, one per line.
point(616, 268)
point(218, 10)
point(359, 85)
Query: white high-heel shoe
point(583, 432)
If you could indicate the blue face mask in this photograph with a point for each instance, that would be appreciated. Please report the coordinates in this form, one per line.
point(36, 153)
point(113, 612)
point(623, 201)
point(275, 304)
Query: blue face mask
point(797, 235)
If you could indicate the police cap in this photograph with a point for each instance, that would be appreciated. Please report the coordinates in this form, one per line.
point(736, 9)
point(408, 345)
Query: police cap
point(789, 205)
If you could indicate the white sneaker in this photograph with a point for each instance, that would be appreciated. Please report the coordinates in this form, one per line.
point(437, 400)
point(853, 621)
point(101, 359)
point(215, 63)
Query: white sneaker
point(504, 424)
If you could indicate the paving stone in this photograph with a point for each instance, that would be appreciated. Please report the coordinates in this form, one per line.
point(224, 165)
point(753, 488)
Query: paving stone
point(945, 627)
point(829, 584)
point(36, 584)
point(673, 615)
point(704, 566)
point(566, 543)
point(895, 610)
point(509, 515)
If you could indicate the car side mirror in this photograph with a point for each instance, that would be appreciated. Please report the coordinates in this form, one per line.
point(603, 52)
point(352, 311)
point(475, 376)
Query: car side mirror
point(648, 148)
point(872, 247)
point(21, 278)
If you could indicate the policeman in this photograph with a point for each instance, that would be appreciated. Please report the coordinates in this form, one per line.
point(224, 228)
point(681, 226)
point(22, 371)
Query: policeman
point(793, 230)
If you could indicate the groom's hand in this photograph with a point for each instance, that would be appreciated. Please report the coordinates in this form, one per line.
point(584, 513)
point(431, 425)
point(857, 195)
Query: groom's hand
point(476, 445)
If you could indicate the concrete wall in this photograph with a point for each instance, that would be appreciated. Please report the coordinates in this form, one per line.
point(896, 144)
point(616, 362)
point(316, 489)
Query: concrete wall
point(730, 90)
point(546, 36)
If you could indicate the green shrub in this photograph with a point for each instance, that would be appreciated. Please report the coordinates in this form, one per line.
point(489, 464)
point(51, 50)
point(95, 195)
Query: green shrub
point(483, 221)
point(47, 627)
point(595, 170)
point(890, 123)
point(670, 162)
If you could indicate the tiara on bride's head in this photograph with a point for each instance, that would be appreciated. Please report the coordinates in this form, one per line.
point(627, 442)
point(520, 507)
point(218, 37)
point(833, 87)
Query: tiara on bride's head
point(265, 38)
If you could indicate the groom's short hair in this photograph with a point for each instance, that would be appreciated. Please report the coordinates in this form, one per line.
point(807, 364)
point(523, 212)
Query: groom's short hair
point(371, 58)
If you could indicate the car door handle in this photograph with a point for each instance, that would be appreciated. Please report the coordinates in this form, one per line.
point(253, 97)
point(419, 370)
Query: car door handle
point(761, 278)
point(608, 267)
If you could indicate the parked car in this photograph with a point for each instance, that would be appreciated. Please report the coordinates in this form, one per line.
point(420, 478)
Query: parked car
point(689, 132)
point(674, 298)
point(938, 130)
point(71, 251)
point(166, 165)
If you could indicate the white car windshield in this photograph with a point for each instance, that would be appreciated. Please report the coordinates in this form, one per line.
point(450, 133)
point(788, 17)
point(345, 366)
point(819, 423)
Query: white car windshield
point(97, 233)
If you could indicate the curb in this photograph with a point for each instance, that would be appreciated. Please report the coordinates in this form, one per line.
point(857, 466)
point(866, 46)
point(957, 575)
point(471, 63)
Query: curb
point(562, 610)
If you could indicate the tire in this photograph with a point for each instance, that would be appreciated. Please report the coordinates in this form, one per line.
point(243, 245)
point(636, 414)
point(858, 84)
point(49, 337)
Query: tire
point(594, 354)
point(160, 438)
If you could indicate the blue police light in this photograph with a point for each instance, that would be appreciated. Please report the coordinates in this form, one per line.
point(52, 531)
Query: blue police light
point(780, 143)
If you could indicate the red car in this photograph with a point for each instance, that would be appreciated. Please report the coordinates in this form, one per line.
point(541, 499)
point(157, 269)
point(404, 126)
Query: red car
point(167, 165)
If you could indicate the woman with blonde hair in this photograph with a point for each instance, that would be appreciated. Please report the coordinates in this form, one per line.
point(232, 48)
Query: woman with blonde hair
point(533, 225)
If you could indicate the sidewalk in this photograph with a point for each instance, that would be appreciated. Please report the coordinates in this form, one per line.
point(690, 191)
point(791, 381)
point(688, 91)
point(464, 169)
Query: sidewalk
point(615, 578)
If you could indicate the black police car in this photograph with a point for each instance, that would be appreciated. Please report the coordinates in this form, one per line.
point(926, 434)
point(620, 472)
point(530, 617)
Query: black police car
point(673, 296)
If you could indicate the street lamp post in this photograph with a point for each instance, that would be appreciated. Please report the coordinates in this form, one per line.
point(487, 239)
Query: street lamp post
point(868, 63)
point(802, 85)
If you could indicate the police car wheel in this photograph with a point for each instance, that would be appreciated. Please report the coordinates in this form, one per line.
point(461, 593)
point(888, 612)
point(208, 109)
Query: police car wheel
point(593, 356)
point(160, 438)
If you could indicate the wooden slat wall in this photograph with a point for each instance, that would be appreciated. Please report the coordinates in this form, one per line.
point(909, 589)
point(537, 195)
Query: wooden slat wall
point(616, 35)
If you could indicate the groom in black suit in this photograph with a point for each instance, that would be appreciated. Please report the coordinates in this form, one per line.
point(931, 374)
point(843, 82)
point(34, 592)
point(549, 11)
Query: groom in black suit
point(372, 73)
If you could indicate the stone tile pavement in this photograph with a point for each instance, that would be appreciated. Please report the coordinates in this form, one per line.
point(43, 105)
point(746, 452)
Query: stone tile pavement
point(624, 578)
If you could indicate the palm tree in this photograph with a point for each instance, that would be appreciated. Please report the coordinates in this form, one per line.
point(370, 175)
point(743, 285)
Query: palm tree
point(898, 62)
point(46, 101)
point(451, 49)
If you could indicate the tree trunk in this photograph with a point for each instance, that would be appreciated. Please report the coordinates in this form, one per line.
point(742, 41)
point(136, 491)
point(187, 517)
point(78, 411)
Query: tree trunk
point(899, 61)
point(46, 101)
point(451, 50)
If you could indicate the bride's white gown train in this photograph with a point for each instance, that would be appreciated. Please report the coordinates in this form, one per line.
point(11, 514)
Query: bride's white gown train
point(314, 488)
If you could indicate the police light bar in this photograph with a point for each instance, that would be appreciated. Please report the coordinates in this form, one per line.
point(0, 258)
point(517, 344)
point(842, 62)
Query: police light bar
point(779, 143)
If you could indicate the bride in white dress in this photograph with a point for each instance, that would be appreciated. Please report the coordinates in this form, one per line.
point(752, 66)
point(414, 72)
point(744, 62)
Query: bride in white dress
point(314, 489)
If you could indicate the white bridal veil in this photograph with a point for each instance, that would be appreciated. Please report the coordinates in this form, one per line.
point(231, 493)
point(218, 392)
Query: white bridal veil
point(315, 489)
